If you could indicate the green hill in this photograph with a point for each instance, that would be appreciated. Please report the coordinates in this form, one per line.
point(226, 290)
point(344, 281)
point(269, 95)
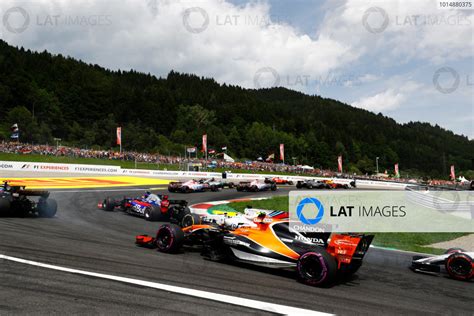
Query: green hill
point(56, 96)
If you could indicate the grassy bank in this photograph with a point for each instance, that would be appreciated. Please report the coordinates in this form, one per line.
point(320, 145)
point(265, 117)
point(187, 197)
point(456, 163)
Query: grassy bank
point(417, 242)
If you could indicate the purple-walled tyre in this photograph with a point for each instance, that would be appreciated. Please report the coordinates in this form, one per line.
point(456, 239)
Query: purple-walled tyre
point(317, 268)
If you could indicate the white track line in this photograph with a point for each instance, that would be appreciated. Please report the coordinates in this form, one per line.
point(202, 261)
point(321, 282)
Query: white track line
point(223, 298)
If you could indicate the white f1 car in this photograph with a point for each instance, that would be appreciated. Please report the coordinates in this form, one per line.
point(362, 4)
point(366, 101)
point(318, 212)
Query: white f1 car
point(256, 186)
point(192, 186)
point(455, 262)
point(232, 221)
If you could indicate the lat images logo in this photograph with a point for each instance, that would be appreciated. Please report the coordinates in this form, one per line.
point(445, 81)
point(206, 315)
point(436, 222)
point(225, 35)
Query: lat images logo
point(310, 201)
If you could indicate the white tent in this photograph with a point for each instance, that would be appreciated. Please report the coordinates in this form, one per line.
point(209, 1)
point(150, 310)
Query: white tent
point(463, 180)
point(228, 158)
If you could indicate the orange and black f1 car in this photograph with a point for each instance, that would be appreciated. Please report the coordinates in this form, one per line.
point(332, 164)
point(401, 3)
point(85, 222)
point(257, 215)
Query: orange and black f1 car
point(269, 241)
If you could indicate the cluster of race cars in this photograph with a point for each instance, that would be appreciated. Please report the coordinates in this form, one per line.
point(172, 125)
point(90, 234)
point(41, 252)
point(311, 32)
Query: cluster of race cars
point(264, 237)
point(214, 185)
point(259, 237)
point(255, 185)
point(324, 184)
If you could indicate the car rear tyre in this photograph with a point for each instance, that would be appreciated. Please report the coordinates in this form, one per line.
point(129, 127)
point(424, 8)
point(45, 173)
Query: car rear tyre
point(460, 266)
point(4, 206)
point(154, 214)
point(273, 187)
point(317, 268)
point(177, 213)
point(47, 207)
point(190, 220)
point(169, 238)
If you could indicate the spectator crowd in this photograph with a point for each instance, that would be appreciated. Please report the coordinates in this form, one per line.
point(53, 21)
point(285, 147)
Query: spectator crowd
point(260, 166)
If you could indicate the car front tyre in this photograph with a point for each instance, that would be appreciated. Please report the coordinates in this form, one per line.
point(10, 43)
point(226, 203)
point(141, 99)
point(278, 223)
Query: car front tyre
point(169, 238)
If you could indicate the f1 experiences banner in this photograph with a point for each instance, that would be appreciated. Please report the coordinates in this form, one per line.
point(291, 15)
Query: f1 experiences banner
point(382, 211)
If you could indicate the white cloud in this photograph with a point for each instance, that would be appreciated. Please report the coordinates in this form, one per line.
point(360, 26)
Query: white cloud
point(159, 36)
point(387, 100)
point(364, 79)
point(391, 98)
point(413, 30)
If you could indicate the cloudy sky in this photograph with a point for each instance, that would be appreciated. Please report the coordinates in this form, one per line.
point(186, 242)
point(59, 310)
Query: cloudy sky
point(409, 60)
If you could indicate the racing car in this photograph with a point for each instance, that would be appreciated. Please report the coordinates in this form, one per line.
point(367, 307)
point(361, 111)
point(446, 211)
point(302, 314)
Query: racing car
point(256, 186)
point(192, 186)
point(319, 258)
point(455, 262)
point(150, 206)
point(337, 185)
point(219, 184)
point(312, 184)
point(14, 200)
point(279, 181)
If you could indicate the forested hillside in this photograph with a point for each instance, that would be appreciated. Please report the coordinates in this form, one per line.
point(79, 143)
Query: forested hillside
point(56, 96)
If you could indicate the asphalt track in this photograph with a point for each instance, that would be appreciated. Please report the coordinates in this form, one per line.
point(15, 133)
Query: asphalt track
point(83, 237)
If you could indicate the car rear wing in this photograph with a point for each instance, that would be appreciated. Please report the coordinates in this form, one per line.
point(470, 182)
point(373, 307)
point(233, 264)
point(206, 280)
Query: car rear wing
point(165, 197)
point(349, 246)
point(41, 193)
point(175, 183)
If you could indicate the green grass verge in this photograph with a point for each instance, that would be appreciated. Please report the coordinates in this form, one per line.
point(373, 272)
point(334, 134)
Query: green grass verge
point(279, 203)
point(403, 241)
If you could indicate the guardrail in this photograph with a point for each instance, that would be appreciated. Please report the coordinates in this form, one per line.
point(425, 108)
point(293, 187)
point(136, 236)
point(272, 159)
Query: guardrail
point(116, 170)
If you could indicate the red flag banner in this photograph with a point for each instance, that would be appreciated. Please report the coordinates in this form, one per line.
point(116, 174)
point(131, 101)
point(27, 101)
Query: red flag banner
point(339, 163)
point(282, 152)
point(397, 174)
point(453, 174)
point(119, 136)
point(204, 143)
